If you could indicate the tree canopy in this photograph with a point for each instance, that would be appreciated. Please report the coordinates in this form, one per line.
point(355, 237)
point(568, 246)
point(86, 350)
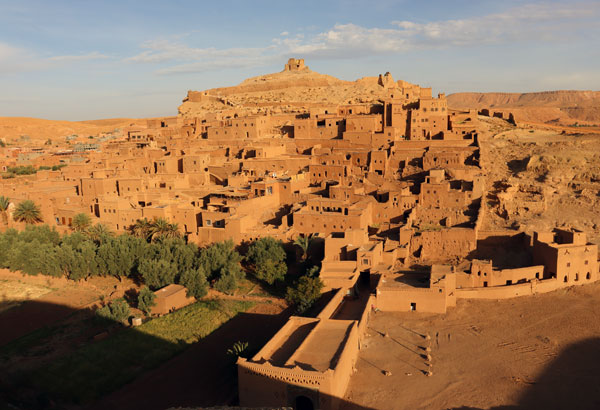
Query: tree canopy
point(81, 222)
point(268, 259)
point(27, 211)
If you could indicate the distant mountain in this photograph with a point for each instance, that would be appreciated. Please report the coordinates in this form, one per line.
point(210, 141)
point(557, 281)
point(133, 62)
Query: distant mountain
point(563, 106)
point(36, 128)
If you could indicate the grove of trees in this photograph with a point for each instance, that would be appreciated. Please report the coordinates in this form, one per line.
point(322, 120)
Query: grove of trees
point(153, 254)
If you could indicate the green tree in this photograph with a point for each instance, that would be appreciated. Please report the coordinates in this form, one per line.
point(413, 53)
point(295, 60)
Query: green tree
point(304, 293)
point(217, 256)
point(195, 282)
point(165, 260)
point(28, 212)
point(304, 242)
point(81, 222)
point(141, 228)
point(146, 300)
point(7, 239)
point(35, 257)
point(267, 257)
point(77, 256)
point(221, 262)
point(118, 256)
point(229, 278)
point(99, 233)
point(116, 311)
point(161, 228)
point(4, 204)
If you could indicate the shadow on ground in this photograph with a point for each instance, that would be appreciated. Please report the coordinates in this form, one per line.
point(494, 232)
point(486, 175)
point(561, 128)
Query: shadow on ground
point(571, 381)
point(44, 367)
point(205, 375)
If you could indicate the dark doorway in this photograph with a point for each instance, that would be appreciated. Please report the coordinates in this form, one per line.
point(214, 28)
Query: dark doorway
point(413, 306)
point(303, 403)
point(509, 282)
point(365, 277)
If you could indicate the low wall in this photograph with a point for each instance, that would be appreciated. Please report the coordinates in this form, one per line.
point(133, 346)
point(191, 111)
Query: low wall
point(401, 300)
point(497, 292)
point(505, 292)
point(365, 317)
point(334, 304)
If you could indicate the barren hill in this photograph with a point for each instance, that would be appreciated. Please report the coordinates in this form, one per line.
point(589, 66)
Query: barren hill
point(283, 91)
point(565, 107)
point(36, 128)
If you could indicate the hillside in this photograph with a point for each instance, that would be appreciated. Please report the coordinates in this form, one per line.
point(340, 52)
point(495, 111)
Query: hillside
point(284, 92)
point(35, 128)
point(564, 107)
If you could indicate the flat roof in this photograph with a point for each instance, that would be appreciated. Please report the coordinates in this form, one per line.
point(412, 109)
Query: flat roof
point(323, 346)
point(169, 290)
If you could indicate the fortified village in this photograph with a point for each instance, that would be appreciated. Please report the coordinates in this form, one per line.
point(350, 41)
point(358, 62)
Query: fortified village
point(391, 184)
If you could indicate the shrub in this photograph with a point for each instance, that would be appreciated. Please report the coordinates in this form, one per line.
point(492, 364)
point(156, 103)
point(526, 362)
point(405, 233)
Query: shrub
point(195, 282)
point(238, 349)
point(228, 280)
point(304, 293)
point(146, 300)
point(117, 311)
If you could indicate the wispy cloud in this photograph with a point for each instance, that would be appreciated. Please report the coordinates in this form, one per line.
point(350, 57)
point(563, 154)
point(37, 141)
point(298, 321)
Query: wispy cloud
point(14, 59)
point(190, 59)
point(530, 22)
point(95, 55)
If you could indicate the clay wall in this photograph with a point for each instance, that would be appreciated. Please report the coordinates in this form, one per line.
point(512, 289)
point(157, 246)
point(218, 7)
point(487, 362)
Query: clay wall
point(444, 244)
point(364, 123)
point(378, 162)
point(279, 165)
point(329, 222)
point(321, 173)
point(391, 299)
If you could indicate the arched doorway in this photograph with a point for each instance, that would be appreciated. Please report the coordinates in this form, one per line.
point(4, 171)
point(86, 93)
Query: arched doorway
point(303, 403)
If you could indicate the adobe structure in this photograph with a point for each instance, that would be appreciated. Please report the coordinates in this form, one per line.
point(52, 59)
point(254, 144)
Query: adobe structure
point(392, 184)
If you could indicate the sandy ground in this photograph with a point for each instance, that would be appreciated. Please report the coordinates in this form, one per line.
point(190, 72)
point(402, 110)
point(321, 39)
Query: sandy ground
point(36, 128)
point(485, 354)
point(13, 292)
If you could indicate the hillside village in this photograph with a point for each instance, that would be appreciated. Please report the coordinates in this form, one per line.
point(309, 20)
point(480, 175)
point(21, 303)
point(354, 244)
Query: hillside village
point(392, 186)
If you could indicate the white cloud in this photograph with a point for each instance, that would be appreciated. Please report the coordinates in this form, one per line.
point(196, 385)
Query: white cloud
point(95, 55)
point(531, 22)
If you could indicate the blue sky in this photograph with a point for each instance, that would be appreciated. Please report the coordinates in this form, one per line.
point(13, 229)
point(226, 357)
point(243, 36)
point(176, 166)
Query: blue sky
point(78, 60)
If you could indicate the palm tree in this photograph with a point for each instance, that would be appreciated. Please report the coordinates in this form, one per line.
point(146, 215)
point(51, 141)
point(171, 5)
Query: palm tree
point(161, 228)
point(141, 228)
point(98, 233)
point(28, 212)
point(304, 242)
point(4, 204)
point(81, 222)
